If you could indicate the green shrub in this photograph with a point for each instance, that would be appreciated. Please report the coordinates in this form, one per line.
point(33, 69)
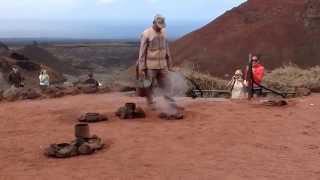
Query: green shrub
point(290, 77)
point(286, 79)
point(205, 81)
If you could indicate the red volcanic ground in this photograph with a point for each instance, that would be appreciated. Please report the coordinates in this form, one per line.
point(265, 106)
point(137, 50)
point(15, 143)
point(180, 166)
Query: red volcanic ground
point(223, 140)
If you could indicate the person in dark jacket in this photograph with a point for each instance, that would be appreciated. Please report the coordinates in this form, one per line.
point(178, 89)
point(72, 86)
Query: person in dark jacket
point(15, 78)
point(91, 81)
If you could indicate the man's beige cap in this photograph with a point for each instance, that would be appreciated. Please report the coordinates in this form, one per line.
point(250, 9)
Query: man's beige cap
point(160, 21)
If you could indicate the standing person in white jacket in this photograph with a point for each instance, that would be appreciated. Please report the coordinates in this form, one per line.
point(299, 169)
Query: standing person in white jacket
point(237, 86)
point(44, 79)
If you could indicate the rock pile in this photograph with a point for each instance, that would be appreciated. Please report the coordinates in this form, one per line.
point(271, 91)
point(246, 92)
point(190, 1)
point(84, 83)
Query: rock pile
point(84, 144)
point(274, 102)
point(80, 146)
point(92, 117)
point(130, 111)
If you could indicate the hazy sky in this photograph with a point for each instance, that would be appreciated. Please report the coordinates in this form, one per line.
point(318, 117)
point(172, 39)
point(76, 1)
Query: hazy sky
point(22, 16)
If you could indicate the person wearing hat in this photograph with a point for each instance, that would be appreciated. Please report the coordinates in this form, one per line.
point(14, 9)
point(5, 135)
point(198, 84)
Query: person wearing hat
point(258, 72)
point(154, 60)
point(92, 81)
point(15, 79)
point(237, 85)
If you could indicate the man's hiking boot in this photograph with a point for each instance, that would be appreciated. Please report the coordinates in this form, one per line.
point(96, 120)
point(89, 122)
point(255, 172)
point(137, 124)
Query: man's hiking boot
point(176, 112)
point(175, 116)
point(173, 105)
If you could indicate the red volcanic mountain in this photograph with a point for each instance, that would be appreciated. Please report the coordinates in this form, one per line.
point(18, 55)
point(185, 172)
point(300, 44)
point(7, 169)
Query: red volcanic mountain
point(281, 31)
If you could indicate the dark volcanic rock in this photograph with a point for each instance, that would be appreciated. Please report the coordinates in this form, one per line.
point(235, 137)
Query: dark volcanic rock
point(18, 56)
point(130, 111)
point(274, 102)
point(88, 88)
point(3, 49)
point(303, 92)
point(92, 117)
point(30, 94)
point(1, 95)
point(175, 116)
point(13, 94)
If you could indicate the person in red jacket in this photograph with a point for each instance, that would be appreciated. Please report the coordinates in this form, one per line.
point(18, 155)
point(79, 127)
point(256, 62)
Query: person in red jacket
point(258, 75)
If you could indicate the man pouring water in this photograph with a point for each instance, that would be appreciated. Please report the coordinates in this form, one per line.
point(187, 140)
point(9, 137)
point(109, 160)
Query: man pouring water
point(154, 61)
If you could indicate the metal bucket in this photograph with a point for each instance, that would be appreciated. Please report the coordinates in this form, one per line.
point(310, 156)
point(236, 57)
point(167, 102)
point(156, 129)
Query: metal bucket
point(131, 106)
point(143, 87)
point(82, 131)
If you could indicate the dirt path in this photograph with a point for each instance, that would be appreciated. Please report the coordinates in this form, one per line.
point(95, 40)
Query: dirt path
point(220, 140)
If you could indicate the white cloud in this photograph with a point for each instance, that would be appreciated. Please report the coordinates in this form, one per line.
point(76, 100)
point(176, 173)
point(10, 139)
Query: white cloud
point(37, 3)
point(106, 1)
point(38, 9)
point(152, 1)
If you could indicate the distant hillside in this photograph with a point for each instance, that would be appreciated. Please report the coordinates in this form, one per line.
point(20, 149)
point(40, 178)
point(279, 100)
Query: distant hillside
point(282, 31)
point(28, 67)
point(44, 57)
point(97, 57)
point(3, 49)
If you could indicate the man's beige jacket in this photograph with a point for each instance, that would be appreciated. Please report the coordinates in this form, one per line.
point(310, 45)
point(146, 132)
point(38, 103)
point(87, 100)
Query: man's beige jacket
point(154, 50)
